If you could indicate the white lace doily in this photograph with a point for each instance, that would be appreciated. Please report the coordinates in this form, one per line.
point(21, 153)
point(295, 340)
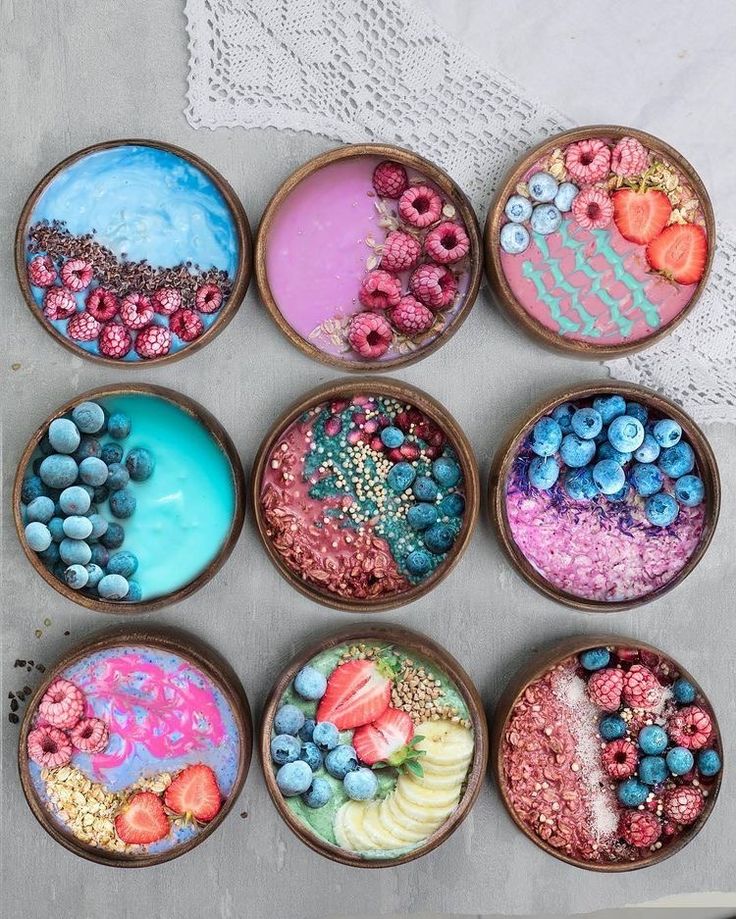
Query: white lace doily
point(357, 70)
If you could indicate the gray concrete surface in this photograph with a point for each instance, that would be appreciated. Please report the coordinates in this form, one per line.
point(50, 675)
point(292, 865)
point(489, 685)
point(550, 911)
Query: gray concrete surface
point(78, 71)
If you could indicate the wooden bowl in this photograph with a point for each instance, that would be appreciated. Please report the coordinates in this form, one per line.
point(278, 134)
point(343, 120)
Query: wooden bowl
point(414, 643)
point(536, 668)
point(412, 161)
point(219, 435)
point(705, 461)
point(494, 269)
point(346, 389)
point(239, 284)
point(206, 660)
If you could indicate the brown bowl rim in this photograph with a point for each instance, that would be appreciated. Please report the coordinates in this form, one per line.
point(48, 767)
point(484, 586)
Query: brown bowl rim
point(425, 647)
point(407, 158)
point(224, 441)
point(504, 457)
point(494, 270)
point(242, 227)
point(539, 664)
point(397, 389)
point(187, 646)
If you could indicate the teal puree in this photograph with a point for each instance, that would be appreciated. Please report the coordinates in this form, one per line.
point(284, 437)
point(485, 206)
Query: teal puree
point(185, 510)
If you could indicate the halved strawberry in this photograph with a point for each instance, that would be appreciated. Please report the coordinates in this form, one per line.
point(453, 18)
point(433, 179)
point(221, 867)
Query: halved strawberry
point(384, 738)
point(640, 215)
point(680, 252)
point(194, 792)
point(357, 693)
point(142, 820)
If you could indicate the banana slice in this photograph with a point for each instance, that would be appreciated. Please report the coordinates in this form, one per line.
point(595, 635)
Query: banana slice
point(342, 836)
point(419, 792)
point(446, 780)
point(409, 831)
point(353, 826)
point(378, 831)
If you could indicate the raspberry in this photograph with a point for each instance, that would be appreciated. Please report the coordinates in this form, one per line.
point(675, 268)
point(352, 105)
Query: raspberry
point(369, 334)
point(41, 271)
point(62, 704)
point(49, 747)
point(115, 341)
point(380, 290)
point(588, 161)
point(640, 828)
point(390, 179)
point(448, 242)
point(58, 303)
point(420, 206)
point(629, 158)
point(166, 300)
point(691, 727)
point(411, 317)
point(683, 804)
point(433, 285)
point(83, 327)
point(208, 298)
point(605, 688)
point(642, 689)
point(136, 311)
point(90, 735)
point(76, 274)
point(619, 759)
point(186, 324)
point(400, 251)
point(102, 304)
point(153, 341)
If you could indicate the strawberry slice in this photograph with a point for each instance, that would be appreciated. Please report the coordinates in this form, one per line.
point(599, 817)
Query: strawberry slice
point(680, 252)
point(142, 820)
point(357, 693)
point(640, 215)
point(194, 792)
point(384, 738)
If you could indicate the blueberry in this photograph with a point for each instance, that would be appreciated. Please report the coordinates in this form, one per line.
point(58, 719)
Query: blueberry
point(76, 577)
point(678, 460)
point(118, 477)
point(418, 563)
point(546, 219)
point(58, 471)
point(325, 735)
point(99, 525)
point(118, 426)
point(709, 763)
point(44, 445)
point(689, 490)
point(439, 538)
point(422, 515)
point(661, 509)
point(446, 472)
point(518, 209)
point(631, 792)
point(294, 778)
point(400, 477)
point(93, 471)
point(425, 488)
point(31, 489)
point(134, 594)
point(122, 503)
point(646, 479)
point(289, 719)
point(140, 463)
point(566, 194)
point(75, 552)
point(595, 658)
point(579, 484)
point(112, 453)
point(612, 727)
point(310, 684)
point(683, 691)
point(41, 509)
point(89, 448)
point(360, 785)
point(575, 451)
point(546, 437)
point(679, 760)
point(563, 416)
point(637, 410)
point(124, 563)
point(586, 423)
point(311, 755)
point(285, 749)
point(88, 417)
point(653, 770)
point(649, 450)
point(626, 433)
point(653, 740)
point(341, 760)
point(113, 537)
point(75, 500)
point(113, 587)
point(514, 238)
point(63, 435)
point(94, 574)
point(38, 536)
point(542, 187)
point(56, 527)
point(606, 451)
point(609, 407)
point(543, 472)
point(609, 476)
point(77, 527)
point(307, 729)
point(392, 437)
point(100, 556)
point(451, 506)
point(51, 555)
point(667, 432)
point(318, 793)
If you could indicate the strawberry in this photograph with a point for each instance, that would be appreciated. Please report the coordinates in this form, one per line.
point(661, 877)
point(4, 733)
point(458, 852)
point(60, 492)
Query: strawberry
point(142, 820)
point(385, 739)
point(194, 792)
point(357, 693)
point(680, 252)
point(640, 216)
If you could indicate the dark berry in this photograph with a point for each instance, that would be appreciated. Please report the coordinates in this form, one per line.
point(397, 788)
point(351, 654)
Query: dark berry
point(140, 464)
point(112, 453)
point(112, 539)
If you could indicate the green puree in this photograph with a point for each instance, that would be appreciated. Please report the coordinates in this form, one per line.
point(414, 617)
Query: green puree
point(321, 820)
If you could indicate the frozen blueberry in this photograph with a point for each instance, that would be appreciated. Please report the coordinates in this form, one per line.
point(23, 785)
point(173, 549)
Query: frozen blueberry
point(75, 552)
point(545, 219)
point(100, 555)
point(41, 509)
point(609, 476)
point(518, 209)
point(89, 447)
point(683, 691)
point(113, 537)
point(318, 794)
point(56, 526)
point(76, 577)
point(626, 433)
point(75, 500)
point(93, 471)
point(678, 460)
point(689, 490)
point(679, 760)
point(575, 451)
point(542, 187)
point(44, 445)
point(452, 505)
point(579, 483)
point(113, 587)
point(439, 538)
point(124, 563)
point(649, 450)
point(294, 778)
point(563, 416)
point(38, 536)
point(667, 432)
point(543, 472)
point(112, 453)
point(135, 594)
point(595, 658)
point(76, 527)
point(646, 479)
point(392, 437)
point(58, 471)
point(360, 784)
point(94, 574)
point(653, 740)
point(63, 435)
point(425, 488)
point(325, 735)
point(99, 525)
point(307, 729)
point(285, 748)
point(122, 503)
point(422, 515)
point(514, 238)
point(566, 194)
point(546, 437)
point(289, 719)
point(118, 426)
point(609, 407)
point(341, 760)
point(310, 684)
point(586, 423)
point(611, 727)
point(631, 792)
point(637, 410)
point(661, 509)
point(31, 489)
point(653, 770)
point(51, 555)
point(709, 763)
point(311, 755)
point(88, 417)
point(118, 477)
point(606, 451)
point(446, 472)
point(102, 493)
point(418, 563)
point(400, 477)
point(140, 464)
